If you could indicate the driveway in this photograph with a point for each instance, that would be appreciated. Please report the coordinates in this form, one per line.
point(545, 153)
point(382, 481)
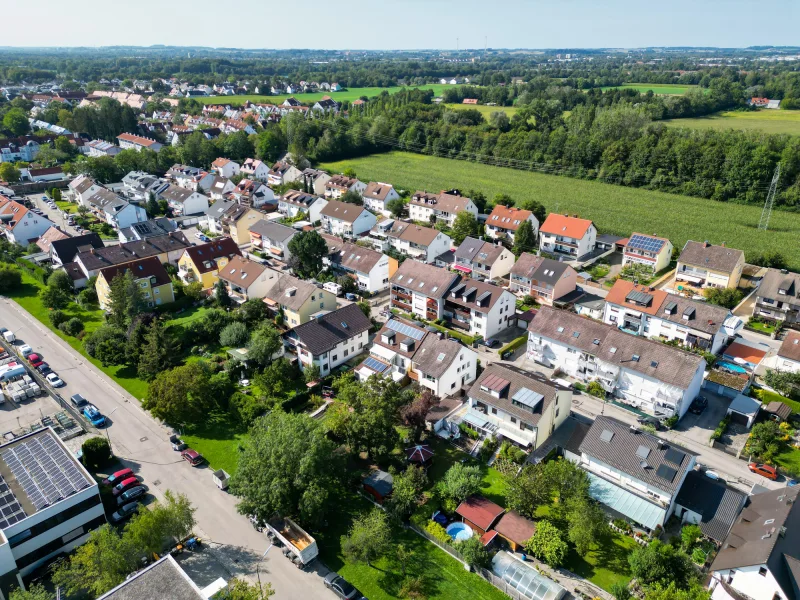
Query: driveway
point(700, 427)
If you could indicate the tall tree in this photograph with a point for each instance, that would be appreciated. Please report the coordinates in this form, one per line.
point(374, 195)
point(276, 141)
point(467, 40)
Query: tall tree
point(308, 249)
point(459, 483)
point(16, 122)
point(547, 544)
point(406, 492)
point(524, 238)
point(369, 538)
point(185, 394)
point(161, 351)
point(153, 209)
point(9, 172)
point(465, 225)
point(221, 295)
point(264, 344)
point(125, 299)
point(537, 208)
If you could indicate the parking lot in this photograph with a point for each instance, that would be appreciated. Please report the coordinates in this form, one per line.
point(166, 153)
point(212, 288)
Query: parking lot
point(54, 214)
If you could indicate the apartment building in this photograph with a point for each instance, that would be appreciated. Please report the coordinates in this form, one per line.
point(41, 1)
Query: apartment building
point(649, 250)
point(150, 275)
point(420, 289)
point(705, 265)
point(20, 225)
point(295, 202)
point(778, 296)
point(392, 350)
point(421, 243)
point(182, 201)
point(369, 268)
point(346, 220)
point(128, 141)
point(504, 221)
point(444, 206)
point(653, 377)
point(479, 308)
point(542, 278)
point(477, 258)
point(567, 236)
point(377, 195)
point(338, 185)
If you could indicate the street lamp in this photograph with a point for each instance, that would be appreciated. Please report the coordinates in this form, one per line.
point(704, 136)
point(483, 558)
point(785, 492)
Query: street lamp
point(108, 437)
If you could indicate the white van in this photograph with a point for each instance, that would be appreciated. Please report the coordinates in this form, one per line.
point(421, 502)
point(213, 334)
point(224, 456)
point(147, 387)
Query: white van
point(332, 287)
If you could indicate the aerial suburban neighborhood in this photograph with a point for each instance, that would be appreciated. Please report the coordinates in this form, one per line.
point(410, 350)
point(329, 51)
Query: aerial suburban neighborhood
point(399, 323)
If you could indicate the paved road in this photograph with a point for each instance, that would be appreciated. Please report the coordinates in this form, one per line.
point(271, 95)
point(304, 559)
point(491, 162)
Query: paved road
point(143, 444)
point(54, 215)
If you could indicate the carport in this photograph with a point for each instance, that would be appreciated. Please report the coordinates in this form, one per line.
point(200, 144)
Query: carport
point(743, 410)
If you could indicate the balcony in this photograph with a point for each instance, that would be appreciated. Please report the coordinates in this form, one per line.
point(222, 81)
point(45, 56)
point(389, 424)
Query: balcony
point(431, 303)
point(432, 314)
point(459, 324)
point(401, 305)
point(399, 294)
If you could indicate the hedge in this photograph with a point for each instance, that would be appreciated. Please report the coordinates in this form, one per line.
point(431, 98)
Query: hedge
point(513, 344)
point(38, 273)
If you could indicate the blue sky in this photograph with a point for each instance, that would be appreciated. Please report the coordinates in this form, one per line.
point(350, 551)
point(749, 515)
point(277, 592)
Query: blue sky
point(402, 24)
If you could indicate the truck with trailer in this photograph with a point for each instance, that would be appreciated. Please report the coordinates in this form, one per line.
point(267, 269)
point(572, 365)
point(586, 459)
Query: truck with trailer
point(299, 544)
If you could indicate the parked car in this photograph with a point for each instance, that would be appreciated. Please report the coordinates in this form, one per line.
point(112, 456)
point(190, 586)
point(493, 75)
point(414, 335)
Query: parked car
point(54, 380)
point(35, 359)
point(351, 297)
point(44, 368)
point(93, 414)
point(124, 511)
point(25, 350)
point(78, 400)
point(118, 476)
point(491, 343)
point(193, 457)
point(699, 405)
point(648, 420)
point(202, 237)
point(339, 586)
point(763, 470)
point(131, 494)
point(124, 485)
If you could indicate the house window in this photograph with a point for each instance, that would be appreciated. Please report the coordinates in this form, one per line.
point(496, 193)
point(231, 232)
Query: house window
point(345, 352)
point(494, 410)
point(513, 419)
point(452, 385)
point(322, 305)
point(557, 412)
point(762, 571)
point(334, 358)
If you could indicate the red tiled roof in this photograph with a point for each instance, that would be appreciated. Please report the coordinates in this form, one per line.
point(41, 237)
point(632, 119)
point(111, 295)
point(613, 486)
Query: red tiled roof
point(479, 510)
point(513, 526)
point(507, 217)
point(623, 287)
point(746, 353)
point(564, 225)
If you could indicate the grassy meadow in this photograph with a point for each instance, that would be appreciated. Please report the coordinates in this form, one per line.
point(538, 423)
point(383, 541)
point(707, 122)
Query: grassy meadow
point(484, 110)
point(768, 121)
point(663, 89)
point(349, 94)
point(614, 209)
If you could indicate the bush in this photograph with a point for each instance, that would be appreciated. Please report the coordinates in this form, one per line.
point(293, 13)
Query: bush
point(72, 327)
point(510, 452)
point(10, 278)
point(595, 389)
point(468, 431)
point(622, 524)
point(514, 344)
point(235, 335)
point(670, 422)
point(57, 317)
point(96, 452)
point(474, 552)
point(488, 448)
point(87, 297)
point(438, 532)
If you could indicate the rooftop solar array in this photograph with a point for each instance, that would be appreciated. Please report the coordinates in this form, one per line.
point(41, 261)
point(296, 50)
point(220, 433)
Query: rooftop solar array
point(666, 472)
point(10, 508)
point(404, 329)
point(44, 470)
point(647, 243)
point(527, 397)
point(375, 365)
point(674, 456)
point(495, 383)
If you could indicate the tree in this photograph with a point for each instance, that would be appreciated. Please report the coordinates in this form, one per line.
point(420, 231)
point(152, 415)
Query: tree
point(406, 491)
point(287, 465)
point(152, 208)
point(525, 491)
point(369, 538)
point(16, 122)
point(564, 482)
point(351, 197)
point(239, 589)
point(160, 351)
point(308, 249)
point(503, 200)
point(10, 277)
point(587, 522)
point(690, 534)
point(72, 327)
point(547, 545)
point(54, 298)
point(524, 238)
point(311, 373)
point(661, 563)
point(57, 317)
point(162, 524)
point(765, 440)
point(413, 415)
point(184, 394)
point(96, 452)
point(348, 284)
point(221, 295)
point(672, 592)
point(55, 193)
point(35, 591)
point(620, 591)
point(459, 483)
point(234, 335)
point(537, 208)
point(784, 382)
point(264, 344)
point(396, 207)
point(105, 338)
point(125, 299)
point(350, 172)
point(771, 259)
point(365, 308)
point(252, 311)
point(193, 291)
point(465, 225)
point(474, 552)
point(9, 173)
point(727, 297)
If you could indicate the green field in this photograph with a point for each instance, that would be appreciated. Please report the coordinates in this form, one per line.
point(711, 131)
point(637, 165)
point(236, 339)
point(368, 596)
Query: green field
point(614, 209)
point(484, 110)
point(349, 94)
point(664, 89)
point(768, 121)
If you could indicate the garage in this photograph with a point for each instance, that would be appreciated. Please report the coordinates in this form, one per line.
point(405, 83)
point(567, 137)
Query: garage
point(743, 410)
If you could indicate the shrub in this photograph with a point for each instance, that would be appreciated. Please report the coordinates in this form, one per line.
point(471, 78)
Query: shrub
point(510, 452)
point(468, 431)
point(438, 532)
point(235, 334)
point(474, 552)
point(488, 448)
point(10, 278)
point(622, 524)
point(96, 452)
point(595, 389)
point(57, 317)
point(670, 422)
point(72, 327)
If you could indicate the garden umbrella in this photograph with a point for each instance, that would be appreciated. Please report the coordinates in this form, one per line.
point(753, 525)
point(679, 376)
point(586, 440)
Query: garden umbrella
point(419, 454)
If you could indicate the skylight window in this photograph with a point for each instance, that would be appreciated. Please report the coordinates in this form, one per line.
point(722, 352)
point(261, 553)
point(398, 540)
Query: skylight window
point(560, 330)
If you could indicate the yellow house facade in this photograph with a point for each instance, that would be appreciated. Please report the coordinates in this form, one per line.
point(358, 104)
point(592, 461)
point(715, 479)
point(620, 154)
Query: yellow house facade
point(239, 221)
point(203, 262)
point(298, 300)
point(153, 280)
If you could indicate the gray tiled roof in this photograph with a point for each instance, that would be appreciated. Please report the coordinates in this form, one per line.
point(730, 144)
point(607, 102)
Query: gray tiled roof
point(324, 333)
point(435, 281)
point(154, 581)
point(717, 258)
point(672, 365)
point(352, 256)
point(707, 317)
point(717, 504)
point(219, 208)
point(545, 270)
point(427, 357)
point(621, 453)
point(272, 230)
point(494, 293)
point(775, 280)
point(303, 290)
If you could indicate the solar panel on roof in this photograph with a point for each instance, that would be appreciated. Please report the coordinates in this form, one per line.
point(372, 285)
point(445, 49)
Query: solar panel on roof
point(404, 329)
point(643, 242)
point(375, 365)
point(643, 452)
point(527, 397)
point(607, 435)
point(674, 456)
point(667, 473)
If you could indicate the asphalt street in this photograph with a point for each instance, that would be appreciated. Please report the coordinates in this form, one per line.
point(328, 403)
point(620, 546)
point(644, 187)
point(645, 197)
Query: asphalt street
point(142, 443)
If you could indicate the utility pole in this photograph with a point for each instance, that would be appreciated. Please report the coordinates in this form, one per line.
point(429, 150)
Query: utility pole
point(766, 213)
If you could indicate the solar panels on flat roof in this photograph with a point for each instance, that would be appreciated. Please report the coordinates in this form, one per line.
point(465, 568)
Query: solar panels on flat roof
point(607, 435)
point(643, 452)
point(674, 456)
point(375, 365)
point(527, 397)
point(667, 473)
point(10, 508)
point(495, 383)
point(404, 329)
point(644, 242)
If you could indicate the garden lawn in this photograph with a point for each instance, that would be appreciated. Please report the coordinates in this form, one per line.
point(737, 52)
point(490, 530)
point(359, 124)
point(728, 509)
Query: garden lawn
point(764, 120)
point(218, 442)
point(789, 459)
point(766, 328)
point(445, 577)
point(614, 209)
point(446, 455)
point(349, 94)
point(67, 207)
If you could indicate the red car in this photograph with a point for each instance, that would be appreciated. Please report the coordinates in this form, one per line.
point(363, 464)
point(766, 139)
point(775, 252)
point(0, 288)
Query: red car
point(35, 359)
point(124, 485)
point(118, 476)
point(764, 470)
point(193, 457)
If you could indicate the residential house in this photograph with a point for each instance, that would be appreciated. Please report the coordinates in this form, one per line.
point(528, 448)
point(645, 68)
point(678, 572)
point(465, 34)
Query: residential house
point(48, 237)
point(150, 275)
point(760, 558)
point(338, 185)
point(151, 228)
point(294, 202)
point(183, 202)
point(778, 296)
point(138, 185)
point(326, 105)
point(316, 179)
point(24, 148)
point(282, 173)
point(789, 353)
point(651, 376)
point(632, 472)
point(273, 238)
point(520, 406)
point(477, 258)
point(504, 221)
point(649, 250)
point(642, 310)
point(20, 225)
point(444, 206)
point(190, 178)
point(246, 279)
point(64, 250)
point(82, 187)
point(392, 351)
point(710, 504)
point(255, 169)
point(298, 300)
point(421, 243)
point(377, 195)
point(41, 175)
point(565, 235)
point(129, 141)
point(219, 188)
point(168, 248)
point(369, 268)
point(236, 223)
point(479, 308)
point(97, 148)
point(252, 193)
point(115, 210)
point(203, 262)
point(347, 220)
point(330, 339)
point(544, 279)
point(442, 365)
point(420, 289)
point(705, 265)
point(215, 214)
point(225, 168)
